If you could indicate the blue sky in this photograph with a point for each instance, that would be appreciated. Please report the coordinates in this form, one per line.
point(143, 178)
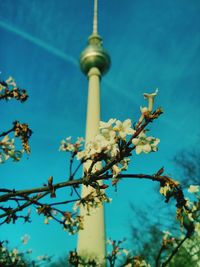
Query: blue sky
point(152, 44)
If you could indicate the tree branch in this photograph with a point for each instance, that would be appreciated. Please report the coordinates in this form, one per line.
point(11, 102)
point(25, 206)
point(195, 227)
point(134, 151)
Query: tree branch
point(76, 182)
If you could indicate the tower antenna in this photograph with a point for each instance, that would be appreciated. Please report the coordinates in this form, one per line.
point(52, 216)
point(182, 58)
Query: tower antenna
point(95, 18)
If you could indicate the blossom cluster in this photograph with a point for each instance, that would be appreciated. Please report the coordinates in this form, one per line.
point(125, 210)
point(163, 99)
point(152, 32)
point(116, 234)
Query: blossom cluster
point(193, 212)
point(188, 213)
point(166, 189)
point(138, 262)
point(68, 146)
point(115, 139)
point(25, 239)
point(10, 257)
point(145, 144)
point(8, 90)
point(24, 133)
point(117, 250)
point(7, 146)
point(75, 260)
point(92, 201)
point(71, 221)
point(7, 150)
point(112, 138)
point(107, 142)
point(18, 258)
point(167, 239)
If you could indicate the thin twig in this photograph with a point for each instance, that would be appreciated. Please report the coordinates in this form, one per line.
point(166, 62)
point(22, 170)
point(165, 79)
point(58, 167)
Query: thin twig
point(70, 167)
point(77, 168)
point(7, 132)
point(25, 205)
point(159, 255)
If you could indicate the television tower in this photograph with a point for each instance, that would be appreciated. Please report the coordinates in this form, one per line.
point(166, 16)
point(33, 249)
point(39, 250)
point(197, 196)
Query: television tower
point(94, 63)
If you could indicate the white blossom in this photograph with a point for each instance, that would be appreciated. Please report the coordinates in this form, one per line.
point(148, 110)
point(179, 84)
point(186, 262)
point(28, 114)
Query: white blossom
point(114, 149)
point(125, 163)
point(80, 155)
point(109, 241)
point(101, 143)
point(106, 141)
point(106, 125)
point(123, 128)
point(190, 216)
point(25, 239)
point(150, 98)
point(15, 252)
point(10, 81)
point(166, 234)
point(193, 189)
point(145, 144)
point(126, 252)
point(165, 189)
point(67, 145)
point(143, 110)
point(75, 206)
point(188, 202)
point(2, 87)
point(7, 148)
point(46, 220)
point(115, 170)
point(109, 135)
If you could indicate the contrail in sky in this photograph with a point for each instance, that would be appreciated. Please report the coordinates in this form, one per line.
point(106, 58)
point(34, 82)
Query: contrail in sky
point(39, 43)
point(69, 59)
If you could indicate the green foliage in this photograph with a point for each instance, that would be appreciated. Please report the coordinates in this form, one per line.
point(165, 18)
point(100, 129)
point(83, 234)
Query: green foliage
point(188, 254)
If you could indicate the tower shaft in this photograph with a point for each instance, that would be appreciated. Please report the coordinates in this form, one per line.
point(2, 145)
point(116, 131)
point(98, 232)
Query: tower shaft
point(94, 62)
point(91, 240)
point(93, 108)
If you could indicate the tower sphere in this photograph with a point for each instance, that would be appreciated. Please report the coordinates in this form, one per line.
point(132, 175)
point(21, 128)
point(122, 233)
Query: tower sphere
point(94, 55)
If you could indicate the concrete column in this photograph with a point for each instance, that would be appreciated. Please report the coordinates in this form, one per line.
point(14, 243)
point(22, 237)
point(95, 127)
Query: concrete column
point(91, 240)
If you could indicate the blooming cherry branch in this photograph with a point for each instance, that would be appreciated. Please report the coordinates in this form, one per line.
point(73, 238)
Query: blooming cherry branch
point(113, 146)
point(9, 90)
